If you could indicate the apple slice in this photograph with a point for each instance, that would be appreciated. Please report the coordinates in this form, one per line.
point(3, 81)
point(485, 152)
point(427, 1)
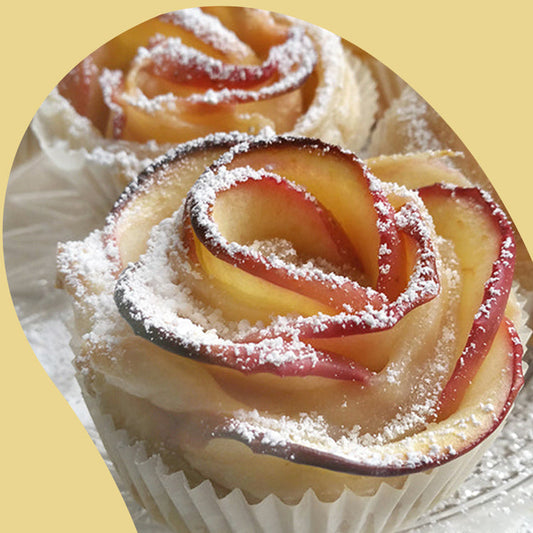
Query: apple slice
point(481, 411)
point(256, 27)
point(282, 357)
point(484, 243)
point(158, 192)
point(419, 169)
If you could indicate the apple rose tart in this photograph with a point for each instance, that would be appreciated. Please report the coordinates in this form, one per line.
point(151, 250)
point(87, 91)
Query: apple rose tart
point(189, 73)
point(273, 315)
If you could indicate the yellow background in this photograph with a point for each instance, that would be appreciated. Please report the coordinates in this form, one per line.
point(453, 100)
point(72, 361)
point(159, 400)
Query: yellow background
point(470, 60)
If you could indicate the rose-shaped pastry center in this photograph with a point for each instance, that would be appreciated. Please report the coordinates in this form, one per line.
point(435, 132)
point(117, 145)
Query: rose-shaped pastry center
point(360, 263)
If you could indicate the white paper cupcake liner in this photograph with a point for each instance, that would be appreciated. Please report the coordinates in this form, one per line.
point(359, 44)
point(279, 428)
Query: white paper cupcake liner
point(170, 498)
point(45, 204)
point(76, 149)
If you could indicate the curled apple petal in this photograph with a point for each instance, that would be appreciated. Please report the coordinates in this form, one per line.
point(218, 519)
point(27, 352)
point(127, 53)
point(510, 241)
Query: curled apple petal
point(486, 255)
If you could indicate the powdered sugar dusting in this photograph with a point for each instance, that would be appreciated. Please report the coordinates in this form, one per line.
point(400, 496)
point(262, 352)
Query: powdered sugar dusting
point(208, 29)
